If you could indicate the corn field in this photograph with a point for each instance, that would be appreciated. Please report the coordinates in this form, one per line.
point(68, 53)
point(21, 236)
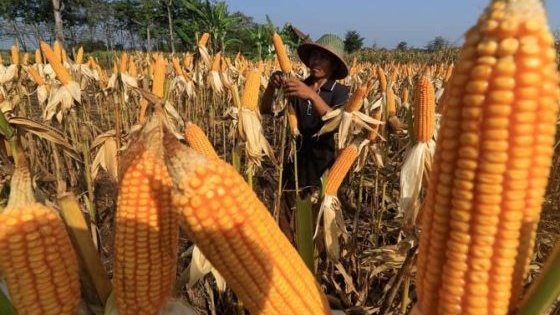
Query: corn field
point(113, 149)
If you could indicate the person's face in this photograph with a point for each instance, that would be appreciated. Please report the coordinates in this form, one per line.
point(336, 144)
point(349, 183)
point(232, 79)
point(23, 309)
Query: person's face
point(321, 64)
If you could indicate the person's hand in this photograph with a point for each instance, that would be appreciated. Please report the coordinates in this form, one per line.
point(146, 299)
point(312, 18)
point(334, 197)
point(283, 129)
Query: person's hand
point(297, 88)
point(276, 79)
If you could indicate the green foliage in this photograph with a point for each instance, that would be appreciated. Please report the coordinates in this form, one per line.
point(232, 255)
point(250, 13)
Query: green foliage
point(437, 44)
point(353, 41)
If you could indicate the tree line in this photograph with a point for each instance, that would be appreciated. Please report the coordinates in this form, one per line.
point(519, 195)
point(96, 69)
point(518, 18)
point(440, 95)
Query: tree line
point(164, 25)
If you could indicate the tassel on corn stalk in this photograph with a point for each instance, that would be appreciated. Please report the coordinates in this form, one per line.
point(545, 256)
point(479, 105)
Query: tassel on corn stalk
point(418, 159)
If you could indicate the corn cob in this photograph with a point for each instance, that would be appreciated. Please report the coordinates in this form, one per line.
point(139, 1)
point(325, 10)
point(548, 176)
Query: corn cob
point(391, 101)
point(293, 121)
point(25, 59)
point(236, 232)
point(158, 83)
point(203, 41)
point(57, 49)
point(250, 96)
point(61, 73)
point(281, 55)
point(15, 54)
point(36, 254)
point(357, 99)
point(123, 65)
point(79, 56)
point(382, 79)
point(424, 111)
point(374, 132)
point(177, 67)
point(146, 234)
point(491, 164)
point(38, 57)
point(216, 62)
point(340, 168)
point(198, 140)
point(35, 76)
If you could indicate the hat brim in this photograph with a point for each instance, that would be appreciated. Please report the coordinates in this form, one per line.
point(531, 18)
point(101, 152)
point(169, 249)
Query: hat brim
point(304, 52)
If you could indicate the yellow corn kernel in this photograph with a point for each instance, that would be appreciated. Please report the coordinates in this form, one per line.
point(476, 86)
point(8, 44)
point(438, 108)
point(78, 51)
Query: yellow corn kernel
point(146, 232)
point(357, 99)
point(239, 236)
point(340, 168)
point(281, 55)
point(424, 109)
point(198, 140)
point(61, 72)
point(251, 91)
point(485, 231)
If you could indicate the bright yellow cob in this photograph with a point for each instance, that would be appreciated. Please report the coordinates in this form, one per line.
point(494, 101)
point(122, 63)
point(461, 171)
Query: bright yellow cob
point(374, 132)
point(340, 168)
point(382, 79)
point(198, 140)
point(424, 109)
point(293, 121)
point(235, 231)
point(15, 54)
point(61, 72)
point(216, 62)
point(281, 55)
point(203, 41)
point(158, 82)
point(38, 57)
point(251, 91)
point(57, 49)
point(146, 233)
point(177, 67)
point(25, 59)
point(35, 76)
point(36, 255)
point(79, 56)
point(357, 99)
point(123, 65)
point(391, 102)
point(491, 164)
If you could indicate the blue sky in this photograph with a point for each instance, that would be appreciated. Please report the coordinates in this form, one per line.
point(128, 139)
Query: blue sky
point(385, 23)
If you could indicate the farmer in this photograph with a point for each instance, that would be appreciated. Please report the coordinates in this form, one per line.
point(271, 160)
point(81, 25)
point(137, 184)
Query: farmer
point(312, 98)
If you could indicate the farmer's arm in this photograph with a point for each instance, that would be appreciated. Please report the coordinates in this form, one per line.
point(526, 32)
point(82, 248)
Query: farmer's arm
point(297, 88)
point(268, 96)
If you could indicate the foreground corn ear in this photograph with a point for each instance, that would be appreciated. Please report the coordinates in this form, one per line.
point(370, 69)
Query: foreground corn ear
point(281, 54)
point(236, 232)
point(36, 255)
point(491, 164)
point(146, 232)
